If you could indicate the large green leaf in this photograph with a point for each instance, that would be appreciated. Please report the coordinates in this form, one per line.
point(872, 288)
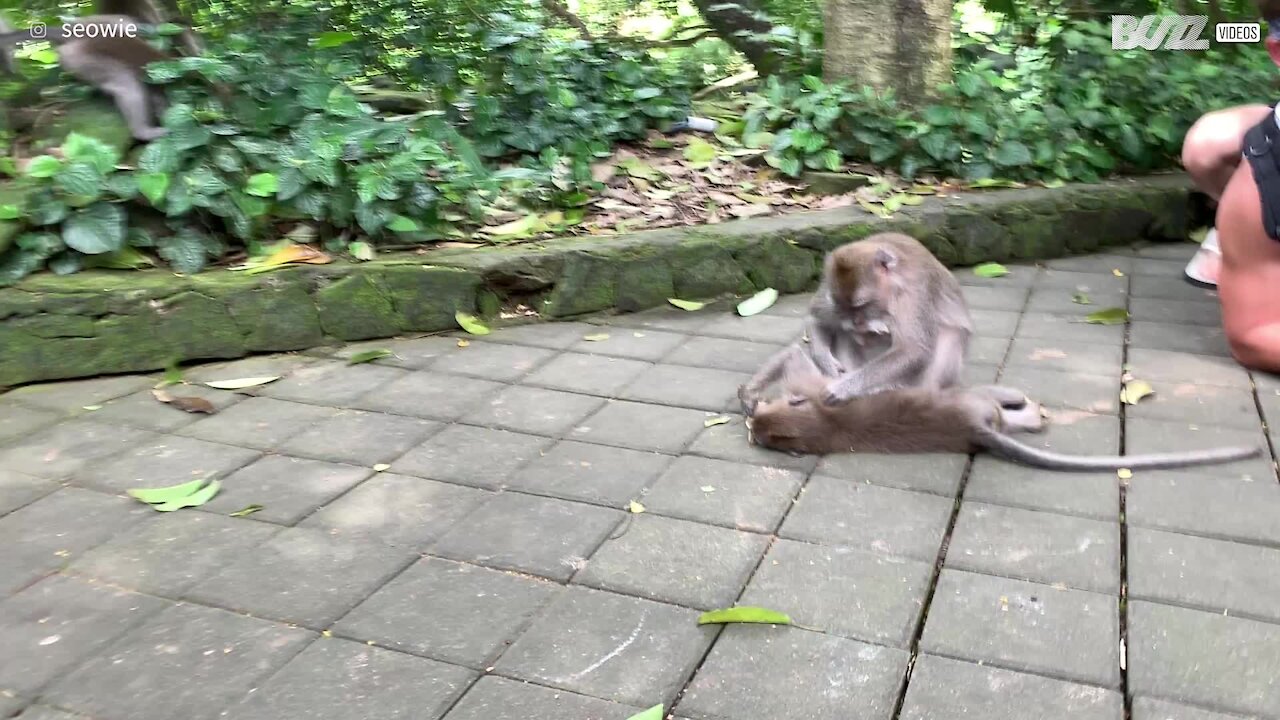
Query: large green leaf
point(98, 228)
point(153, 186)
point(185, 252)
point(1011, 153)
point(79, 178)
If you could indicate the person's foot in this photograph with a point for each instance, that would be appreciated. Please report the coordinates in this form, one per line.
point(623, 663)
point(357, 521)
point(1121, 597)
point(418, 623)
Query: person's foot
point(1205, 265)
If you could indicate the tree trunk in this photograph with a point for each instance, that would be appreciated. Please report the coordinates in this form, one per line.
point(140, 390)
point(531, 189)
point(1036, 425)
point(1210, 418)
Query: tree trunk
point(729, 22)
point(900, 44)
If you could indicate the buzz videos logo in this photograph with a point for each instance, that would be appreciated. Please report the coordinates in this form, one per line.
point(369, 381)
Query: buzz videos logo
point(1176, 32)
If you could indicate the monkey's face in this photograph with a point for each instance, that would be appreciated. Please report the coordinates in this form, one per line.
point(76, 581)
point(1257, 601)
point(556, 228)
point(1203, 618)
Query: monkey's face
point(861, 287)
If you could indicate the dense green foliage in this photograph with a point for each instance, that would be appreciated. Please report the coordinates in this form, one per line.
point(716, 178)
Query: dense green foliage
point(356, 124)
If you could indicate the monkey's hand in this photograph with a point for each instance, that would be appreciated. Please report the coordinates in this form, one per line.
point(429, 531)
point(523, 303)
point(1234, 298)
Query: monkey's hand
point(749, 401)
point(838, 392)
point(828, 365)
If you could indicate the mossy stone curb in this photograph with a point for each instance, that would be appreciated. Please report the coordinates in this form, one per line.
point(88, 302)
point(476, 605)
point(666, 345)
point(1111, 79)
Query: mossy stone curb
point(109, 322)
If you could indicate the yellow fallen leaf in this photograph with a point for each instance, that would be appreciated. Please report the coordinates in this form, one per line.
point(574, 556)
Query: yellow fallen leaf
point(635, 507)
point(713, 421)
point(596, 337)
point(464, 343)
point(707, 488)
point(92, 407)
point(1124, 473)
point(381, 467)
point(287, 255)
point(241, 383)
point(1135, 390)
point(1116, 272)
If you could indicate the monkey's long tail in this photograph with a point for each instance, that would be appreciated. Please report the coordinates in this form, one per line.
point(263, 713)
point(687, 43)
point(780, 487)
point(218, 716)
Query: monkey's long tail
point(1013, 450)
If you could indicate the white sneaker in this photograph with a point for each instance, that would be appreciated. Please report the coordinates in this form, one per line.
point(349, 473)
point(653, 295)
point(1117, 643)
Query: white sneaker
point(1206, 263)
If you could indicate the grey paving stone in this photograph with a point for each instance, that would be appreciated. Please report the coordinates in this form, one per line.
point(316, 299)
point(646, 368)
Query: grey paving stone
point(590, 473)
point(493, 361)
point(1018, 625)
point(302, 576)
point(994, 323)
point(1037, 546)
point(826, 677)
point(1172, 250)
point(1076, 391)
point(1100, 263)
point(794, 306)
point(410, 353)
point(18, 489)
point(1095, 495)
point(534, 410)
point(987, 350)
point(495, 698)
point(1077, 432)
point(1062, 300)
point(1172, 268)
point(609, 646)
point(1199, 404)
point(1165, 365)
point(1181, 337)
point(17, 421)
point(541, 536)
point(976, 374)
point(554, 335)
point(650, 345)
point(1145, 708)
point(1175, 311)
point(398, 510)
point(360, 438)
point(933, 472)
point(746, 497)
point(1202, 502)
point(166, 460)
point(475, 612)
point(641, 427)
point(11, 704)
point(1069, 326)
point(471, 456)
point(60, 450)
point(680, 386)
point(1065, 356)
point(723, 354)
point(1020, 276)
point(69, 398)
point(1214, 575)
point(430, 395)
point(342, 680)
point(1267, 383)
point(995, 298)
point(287, 488)
point(590, 374)
point(53, 625)
point(675, 561)
point(1204, 659)
point(141, 409)
point(1146, 436)
point(1087, 282)
point(331, 383)
point(942, 689)
point(729, 442)
point(896, 522)
point(258, 422)
point(669, 319)
point(757, 328)
point(169, 553)
point(1166, 288)
point(228, 653)
point(842, 591)
point(53, 530)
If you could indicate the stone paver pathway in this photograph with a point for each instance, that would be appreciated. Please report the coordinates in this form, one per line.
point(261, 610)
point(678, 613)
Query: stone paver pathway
point(492, 572)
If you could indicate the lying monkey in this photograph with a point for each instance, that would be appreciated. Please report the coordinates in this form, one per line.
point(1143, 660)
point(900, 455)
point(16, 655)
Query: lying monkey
point(109, 61)
point(887, 315)
point(963, 420)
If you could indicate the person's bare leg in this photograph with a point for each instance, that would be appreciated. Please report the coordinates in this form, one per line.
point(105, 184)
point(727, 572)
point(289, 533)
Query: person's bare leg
point(1250, 276)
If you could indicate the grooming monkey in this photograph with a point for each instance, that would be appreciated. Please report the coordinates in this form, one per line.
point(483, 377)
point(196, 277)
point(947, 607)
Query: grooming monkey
point(917, 420)
point(887, 315)
point(109, 61)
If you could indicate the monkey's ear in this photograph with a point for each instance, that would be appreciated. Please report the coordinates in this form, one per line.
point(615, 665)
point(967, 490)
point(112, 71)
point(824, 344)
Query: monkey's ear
point(885, 258)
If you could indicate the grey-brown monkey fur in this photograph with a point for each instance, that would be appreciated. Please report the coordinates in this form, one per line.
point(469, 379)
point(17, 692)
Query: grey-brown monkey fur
point(887, 315)
point(114, 65)
point(917, 420)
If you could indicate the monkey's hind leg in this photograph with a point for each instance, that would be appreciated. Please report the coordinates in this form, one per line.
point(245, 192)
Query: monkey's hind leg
point(1027, 418)
point(750, 392)
point(133, 98)
point(1008, 398)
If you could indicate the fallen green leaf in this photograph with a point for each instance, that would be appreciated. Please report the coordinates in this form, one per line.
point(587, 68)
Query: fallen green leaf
point(515, 228)
point(361, 250)
point(1110, 316)
point(699, 151)
point(166, 494)
point(1134, 390)
point(1197, 236)
point(713, 421)
point(369, 356)
point(689, 305)
point(1081, 299)
point(246, 510)
point(596, 337)
point(172, 376)
point(758, 303)
point(195, 499)
point(242, 383)
point(744, 615)
point(990, 270)
point(654, 713)
point(471, 323)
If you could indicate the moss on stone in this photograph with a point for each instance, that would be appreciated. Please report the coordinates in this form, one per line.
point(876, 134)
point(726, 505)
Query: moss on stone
point(778, 264)
point(275, 317)
point(586, 284)
point(97, 118)
point(643, 284)
point(426, 298)
point(354, 309)
point(978, 237)
point(704, 269)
